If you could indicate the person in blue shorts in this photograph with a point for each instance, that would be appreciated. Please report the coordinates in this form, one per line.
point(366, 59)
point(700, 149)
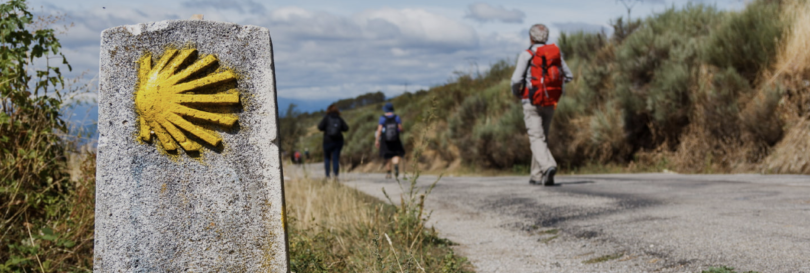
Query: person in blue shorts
point(388, 139)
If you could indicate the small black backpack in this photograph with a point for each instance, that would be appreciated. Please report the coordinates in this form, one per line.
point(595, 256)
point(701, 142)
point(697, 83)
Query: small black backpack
point(390, 128)
point(333, 125)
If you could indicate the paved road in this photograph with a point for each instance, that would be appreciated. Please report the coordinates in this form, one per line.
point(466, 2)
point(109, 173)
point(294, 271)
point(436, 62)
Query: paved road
point(636, 222)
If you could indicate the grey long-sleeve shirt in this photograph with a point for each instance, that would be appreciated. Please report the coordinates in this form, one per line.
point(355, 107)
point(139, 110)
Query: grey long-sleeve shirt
point(523, 61)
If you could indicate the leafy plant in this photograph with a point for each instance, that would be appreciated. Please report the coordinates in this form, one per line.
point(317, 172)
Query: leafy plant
point(747, 41)
point(46, 221)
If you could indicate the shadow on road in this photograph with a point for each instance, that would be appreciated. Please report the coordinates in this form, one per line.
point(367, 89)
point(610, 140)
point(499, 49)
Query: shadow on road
point(557, 184)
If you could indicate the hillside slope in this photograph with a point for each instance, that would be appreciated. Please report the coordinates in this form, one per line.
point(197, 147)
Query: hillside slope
point(692, 89)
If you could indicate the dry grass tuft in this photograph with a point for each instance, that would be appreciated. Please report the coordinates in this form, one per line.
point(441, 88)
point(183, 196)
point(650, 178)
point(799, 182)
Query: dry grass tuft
point(334, 228)
point(316, 203)
point(792, 154)
point(794, 59)
point(792, 73)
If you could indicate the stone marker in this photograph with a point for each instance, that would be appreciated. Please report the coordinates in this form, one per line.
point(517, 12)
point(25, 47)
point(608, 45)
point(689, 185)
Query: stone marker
point(189, 175)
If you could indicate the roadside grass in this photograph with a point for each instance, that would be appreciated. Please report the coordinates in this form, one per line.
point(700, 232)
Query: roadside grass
point(547, 240)
point(604, 258)
point(724, 269)
point(550, 231)
point(334, 228)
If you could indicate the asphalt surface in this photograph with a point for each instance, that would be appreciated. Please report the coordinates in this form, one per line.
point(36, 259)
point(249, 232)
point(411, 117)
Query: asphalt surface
point(619, 222)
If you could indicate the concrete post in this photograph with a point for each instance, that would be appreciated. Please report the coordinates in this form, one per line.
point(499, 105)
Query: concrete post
point(189, 173)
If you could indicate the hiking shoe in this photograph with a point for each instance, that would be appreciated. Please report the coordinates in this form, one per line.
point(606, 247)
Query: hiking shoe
point(548, 177)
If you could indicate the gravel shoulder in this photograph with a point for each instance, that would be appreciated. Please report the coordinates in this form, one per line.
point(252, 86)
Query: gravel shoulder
point(619, 222)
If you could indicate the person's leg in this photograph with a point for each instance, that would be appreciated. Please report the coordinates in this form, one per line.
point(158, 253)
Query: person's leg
point(536, 172)
point(336, 158)
point(546, 114)
point(327, 156)
point(395, 161)
point(537, 138)
point(388, 168)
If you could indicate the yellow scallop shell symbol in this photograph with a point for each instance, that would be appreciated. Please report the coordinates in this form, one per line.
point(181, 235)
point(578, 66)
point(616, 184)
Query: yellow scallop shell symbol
point(165, 102)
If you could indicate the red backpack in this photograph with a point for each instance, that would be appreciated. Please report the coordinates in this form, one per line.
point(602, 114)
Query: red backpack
point(547, 76)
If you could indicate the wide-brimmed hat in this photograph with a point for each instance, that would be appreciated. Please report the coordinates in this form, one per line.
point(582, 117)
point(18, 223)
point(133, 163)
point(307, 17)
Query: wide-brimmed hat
point(388, 107)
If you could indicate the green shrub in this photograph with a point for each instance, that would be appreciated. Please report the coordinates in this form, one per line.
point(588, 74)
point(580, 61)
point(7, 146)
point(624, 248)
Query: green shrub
point(359, 146)
point(656, 66)
point(747, 41)
point(581, 45)
point(47, 218)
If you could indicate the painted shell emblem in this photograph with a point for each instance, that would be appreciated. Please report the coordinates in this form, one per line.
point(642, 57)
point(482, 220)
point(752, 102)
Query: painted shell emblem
point(168, 103)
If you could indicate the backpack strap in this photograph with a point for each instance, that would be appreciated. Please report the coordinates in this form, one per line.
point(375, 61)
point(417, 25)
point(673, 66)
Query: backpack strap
point(529, 63)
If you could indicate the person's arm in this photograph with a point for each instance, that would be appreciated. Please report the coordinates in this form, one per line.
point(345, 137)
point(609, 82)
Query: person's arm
point(520, 68)
point(344, 127)
point(377, 136)
point(568, 75)
point(399, 124)
point(322, 125)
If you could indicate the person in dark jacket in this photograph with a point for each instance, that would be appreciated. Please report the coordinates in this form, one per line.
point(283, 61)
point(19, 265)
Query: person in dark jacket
point(332, 126)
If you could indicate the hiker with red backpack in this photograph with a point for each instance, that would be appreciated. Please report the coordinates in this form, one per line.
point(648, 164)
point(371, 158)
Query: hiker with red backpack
point(538, 82)
point(388, 139)
point(332, 126)
point(297, 157)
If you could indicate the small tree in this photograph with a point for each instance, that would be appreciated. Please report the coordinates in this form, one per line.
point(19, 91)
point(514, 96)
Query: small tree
point(33, 177)
point(629, 4)
point(290, 129)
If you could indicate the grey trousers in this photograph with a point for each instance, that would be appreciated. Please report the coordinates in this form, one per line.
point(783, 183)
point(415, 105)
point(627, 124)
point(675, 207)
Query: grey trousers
point(538, 122)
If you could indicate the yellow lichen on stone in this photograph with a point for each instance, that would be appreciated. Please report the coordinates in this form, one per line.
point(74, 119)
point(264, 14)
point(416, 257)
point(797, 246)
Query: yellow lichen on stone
point(164, 103)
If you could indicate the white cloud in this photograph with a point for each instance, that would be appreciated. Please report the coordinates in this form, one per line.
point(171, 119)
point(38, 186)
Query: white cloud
point(321, 55)
point(299, 24)
point(582, 26)
point(241, 6)
point(418, 27)
point(81, 43)
point(399, 27)
point(398, 52)
point(483, 12)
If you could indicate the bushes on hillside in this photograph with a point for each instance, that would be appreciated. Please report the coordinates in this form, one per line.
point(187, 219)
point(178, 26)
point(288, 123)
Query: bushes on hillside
point(679, 71)
point(360, 101)
point(656, 67)
point(681, 84)
point(747, 41)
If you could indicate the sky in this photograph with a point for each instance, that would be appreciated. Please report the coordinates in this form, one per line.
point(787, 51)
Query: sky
point(329, 50)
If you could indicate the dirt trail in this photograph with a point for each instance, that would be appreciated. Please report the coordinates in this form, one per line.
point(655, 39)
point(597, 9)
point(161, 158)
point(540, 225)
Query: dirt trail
point(620, 223)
